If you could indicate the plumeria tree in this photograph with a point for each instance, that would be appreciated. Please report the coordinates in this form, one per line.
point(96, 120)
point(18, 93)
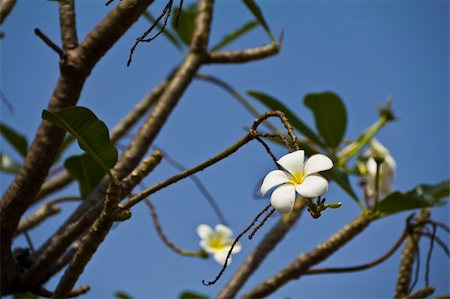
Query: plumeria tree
point(314, 171)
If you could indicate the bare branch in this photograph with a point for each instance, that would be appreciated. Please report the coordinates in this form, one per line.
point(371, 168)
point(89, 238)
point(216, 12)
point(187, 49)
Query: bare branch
point(267, 244)
point(242, 56)
point(44, 212)
point(74, 293)
point(201, 187)
point(304, 261)
point(5, 8)
point(67, 24)
point(49, 42)
point(165, 239)
point(408, 256)
point(366, 266)
point(141, 171)
point(97, 233)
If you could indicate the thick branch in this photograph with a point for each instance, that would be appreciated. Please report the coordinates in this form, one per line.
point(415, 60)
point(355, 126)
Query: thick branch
point(241, 56)
point(67, 24)
point(303, 262)
point(94, 47)
point(88, 246)
point(408, 256)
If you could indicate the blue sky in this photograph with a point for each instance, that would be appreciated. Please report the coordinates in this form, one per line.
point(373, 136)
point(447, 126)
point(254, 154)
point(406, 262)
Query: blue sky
point(364, 51)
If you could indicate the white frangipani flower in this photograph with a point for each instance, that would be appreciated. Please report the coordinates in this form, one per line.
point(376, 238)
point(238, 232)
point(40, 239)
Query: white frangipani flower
point(387, 169)
point(217, 242)
point(299, 177)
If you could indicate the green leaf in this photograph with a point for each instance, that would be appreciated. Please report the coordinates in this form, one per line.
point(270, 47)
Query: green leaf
point(64, 146)
point(330, 115)
point(274, 104)
point(17, 140)
point(122, 295)
point(257, 13)
point(192, 295)
point(86, 171)
point(232, 36)
point(167, 33)
point(185, 27)
point(423, 196)
point(91, 133)
point(8, 164)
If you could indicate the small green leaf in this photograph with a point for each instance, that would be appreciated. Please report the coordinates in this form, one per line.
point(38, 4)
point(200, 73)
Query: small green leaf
point(8, 164)
point(86, 171)
point(192, 295)
point(330, 115)
point(17, 140)
point(167, 33)
point(122, 295)
point(185, 27)
point(232, 36)
point(257, 13)
point(274, 104)
point(91, 133)
point(423, 196)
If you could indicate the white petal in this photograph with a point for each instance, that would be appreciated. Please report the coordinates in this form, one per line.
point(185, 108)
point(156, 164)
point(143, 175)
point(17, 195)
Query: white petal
point(317, 163)
point(224, 231)
point(371, 166)
point(204, 231)
point(312, 186)
point(204, 244)
point(390, 163)
point(283, 198)
point(221, 256)
point(236, 248)
point(273, 179)
point(293, 162)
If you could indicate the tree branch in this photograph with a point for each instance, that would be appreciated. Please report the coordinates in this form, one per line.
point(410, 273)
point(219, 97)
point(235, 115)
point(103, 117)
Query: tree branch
point(408, 256)
point(241, 56)
point(303, 262)
point(165, 239)
point(88, 246)
point(363, 266)
point(49, 42)
point(67, 24)
point(265, 246)
point(37, 217)
point(5, 8)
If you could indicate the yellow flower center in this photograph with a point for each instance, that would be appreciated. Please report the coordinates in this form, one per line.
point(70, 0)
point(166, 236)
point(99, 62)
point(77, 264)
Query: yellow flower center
point(297, 178)
point(216, 243)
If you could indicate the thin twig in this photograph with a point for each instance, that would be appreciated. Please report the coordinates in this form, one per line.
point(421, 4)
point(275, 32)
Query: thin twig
point(268, 150)
point(30, 243)
point(430, 251)
point(241, 99)
point(261, 224)
point(201, 187)
point(43, 213)
point(6, 102)
point(278, 136)
point(165, 13)
point(369, 265)
point(439, 242)
point(49, 42)
point(163, 236)
point(440, 224)
point(262, 250)
point(304, 261)
point(232, 246)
